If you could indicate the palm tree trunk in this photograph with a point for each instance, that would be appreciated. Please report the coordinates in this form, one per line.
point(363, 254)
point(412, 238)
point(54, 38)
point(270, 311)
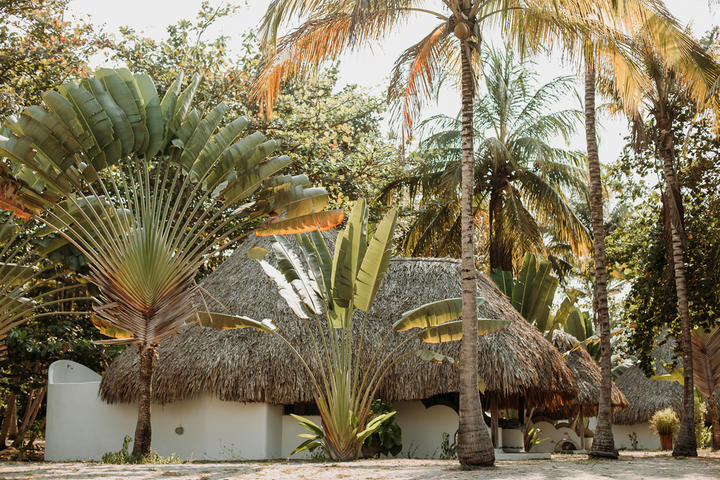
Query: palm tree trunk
point(500, 249)
point(474, 446)
point(685, 445)
point(143, 429)
point(603, 441)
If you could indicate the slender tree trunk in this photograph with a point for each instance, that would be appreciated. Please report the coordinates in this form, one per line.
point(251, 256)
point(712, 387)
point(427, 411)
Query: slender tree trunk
point(10, 416)
point(474, 446)
point(685, 444)
point(35, 399)
point(714, 420)
point(143, 430)
point(500, 249)
point(603, 441)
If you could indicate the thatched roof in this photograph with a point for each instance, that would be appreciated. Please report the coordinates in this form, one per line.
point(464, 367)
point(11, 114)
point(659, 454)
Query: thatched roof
point(647, 396)
point(587, 377)
point(246, 365)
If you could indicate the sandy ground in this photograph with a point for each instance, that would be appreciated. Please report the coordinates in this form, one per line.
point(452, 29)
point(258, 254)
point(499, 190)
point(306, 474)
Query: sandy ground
point(635, 466)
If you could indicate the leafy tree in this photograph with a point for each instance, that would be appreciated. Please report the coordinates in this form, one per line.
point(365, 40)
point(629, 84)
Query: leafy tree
point(522, 182)
point(40, 48)
point(638, 244)
point(333, 135)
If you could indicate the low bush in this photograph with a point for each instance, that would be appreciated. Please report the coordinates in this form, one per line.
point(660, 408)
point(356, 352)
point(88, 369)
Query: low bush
point(123, 456)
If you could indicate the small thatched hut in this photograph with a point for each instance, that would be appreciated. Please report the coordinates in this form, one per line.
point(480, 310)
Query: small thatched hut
point(587, 377)
point(645, 395)
point(249, 366)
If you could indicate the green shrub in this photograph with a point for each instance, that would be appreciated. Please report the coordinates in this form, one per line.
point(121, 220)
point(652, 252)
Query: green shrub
point(665, 422)
point(703, 435)
point(123, 456)
point(387, 439)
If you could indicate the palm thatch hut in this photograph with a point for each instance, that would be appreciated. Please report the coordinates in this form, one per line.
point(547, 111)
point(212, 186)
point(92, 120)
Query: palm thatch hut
point(645, 395)
point(587, 377)
point(250, 366)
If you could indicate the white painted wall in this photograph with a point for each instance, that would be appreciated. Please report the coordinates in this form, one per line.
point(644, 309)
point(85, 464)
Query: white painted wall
point(81, 427)
point(555, 437)
point(647, 440)
point(422, 428)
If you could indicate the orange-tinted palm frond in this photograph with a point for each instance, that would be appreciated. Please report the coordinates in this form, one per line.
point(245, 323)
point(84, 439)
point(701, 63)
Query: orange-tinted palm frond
point(322, 221)
point(416, 71)
point(316, 41)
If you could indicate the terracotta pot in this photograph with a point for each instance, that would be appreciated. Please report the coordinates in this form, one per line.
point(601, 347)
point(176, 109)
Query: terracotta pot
point(666, 442)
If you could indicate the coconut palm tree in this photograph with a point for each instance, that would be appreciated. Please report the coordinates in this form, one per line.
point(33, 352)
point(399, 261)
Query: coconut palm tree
point(148, 191)
point(672, 80)
point(521, 180)
point(328, 28)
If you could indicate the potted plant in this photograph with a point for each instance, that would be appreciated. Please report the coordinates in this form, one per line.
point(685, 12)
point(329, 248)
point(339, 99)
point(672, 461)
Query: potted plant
point(665, 423)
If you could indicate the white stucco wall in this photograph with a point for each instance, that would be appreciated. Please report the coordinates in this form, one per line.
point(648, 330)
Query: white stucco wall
point(422, 428)
point(81, 427)
point(646, 439)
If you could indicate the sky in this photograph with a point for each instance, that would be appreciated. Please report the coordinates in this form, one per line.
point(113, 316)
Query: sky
point(368, 67)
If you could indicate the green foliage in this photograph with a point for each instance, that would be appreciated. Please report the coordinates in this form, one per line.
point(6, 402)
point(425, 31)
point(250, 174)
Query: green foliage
point(532, 294)
point(665, 422)
point(703, 434)
point(333, 135)
point(531, 437)
point(332, 288)
point(438, 323)
point(41, 45)
point(123, 456)
point(636, 246)
point(387, 439)
point(448, 451)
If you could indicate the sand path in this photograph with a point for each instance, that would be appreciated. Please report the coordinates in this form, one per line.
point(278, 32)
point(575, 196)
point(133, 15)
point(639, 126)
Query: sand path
point(635, 466)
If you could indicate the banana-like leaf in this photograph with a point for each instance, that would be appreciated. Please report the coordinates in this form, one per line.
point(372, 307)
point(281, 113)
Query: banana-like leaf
point(504, 280)
point(293, 270)
point(373, 425)
point(315, 270)
point(432, 314)
point(350, 249)
point(706, 360)
point(222, 321)
point(375, 262)
point(577, 323)
point(307, 223)
point(436, 357)
point(108, 329)
point(309, 424)
point(257, 253)
point(452, 331)
point(153, 113)
point(286, 289)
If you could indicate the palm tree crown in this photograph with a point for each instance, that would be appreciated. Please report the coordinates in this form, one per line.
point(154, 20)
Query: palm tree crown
point(521, 179)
